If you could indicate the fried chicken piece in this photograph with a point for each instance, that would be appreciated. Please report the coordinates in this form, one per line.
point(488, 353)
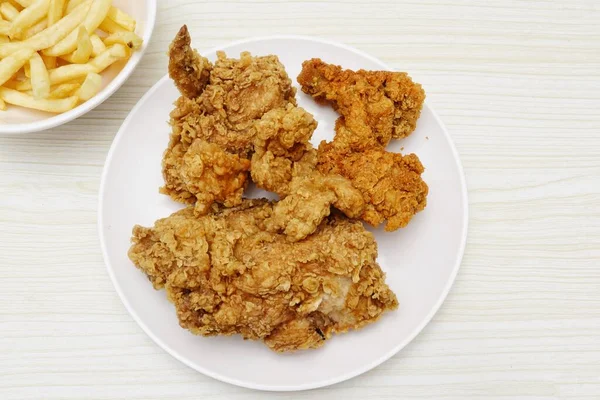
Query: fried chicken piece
point(375, 106)
point(188, 69)
point(219, 104)
point(214, 175)
point(390, 183)
point(226, 274)
point(281, 143)
point(284, 162)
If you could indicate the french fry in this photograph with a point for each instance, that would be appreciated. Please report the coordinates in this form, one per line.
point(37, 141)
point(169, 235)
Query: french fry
point(55, 11)
point(51, 35)
point(8, 11)
point(90, 86)
point(64, 90)
point(84, 47)
point(129, 39)
point(49, 62)
point(118, 51)
point(71, 5)
point(34, 30)
point(62, 74)
point(71, 72)
point(93, 19)
point(50, 54)
point(21, 3)
point(11, 64)
point(121, 18)
point(5, 27)
point(110, 26)
point(49, 105)
point(98, 45)
point(28, 17)
point(40, 81)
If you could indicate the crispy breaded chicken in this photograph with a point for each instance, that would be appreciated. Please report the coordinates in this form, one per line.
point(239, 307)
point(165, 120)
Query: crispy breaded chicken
point(390, 183)
point(188, 69)
point(226, 274)
point(219, 105)
point(240, 110)
point(374, 107)
point(284, 162)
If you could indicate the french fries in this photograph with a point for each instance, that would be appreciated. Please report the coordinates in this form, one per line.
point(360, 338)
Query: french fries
point(84, 47)
point(98, 11)
point(49, 105)
point(64, 90)
point(40, 82)
point(35, 29)
point(28, 17)
point(51, 35)
point(55, 11)
point(8, 11)
point(90, 86)
point(21, 3)
point(121, 18)
point(5, 27)
point(11, 64)
point(52, 52)
point(129, 39)
point(49, 62)
point(71, 5)
point(76, 71)
point(110, 26)
point(98, 45)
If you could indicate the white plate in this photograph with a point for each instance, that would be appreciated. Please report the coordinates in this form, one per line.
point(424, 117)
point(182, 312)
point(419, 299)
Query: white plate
point(23, 120)
point(421, 261)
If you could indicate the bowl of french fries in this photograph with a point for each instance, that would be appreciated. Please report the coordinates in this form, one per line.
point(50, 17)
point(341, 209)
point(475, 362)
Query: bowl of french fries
point(61, 58)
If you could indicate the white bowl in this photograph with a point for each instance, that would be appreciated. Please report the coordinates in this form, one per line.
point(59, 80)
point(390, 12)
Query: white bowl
point(22, 120)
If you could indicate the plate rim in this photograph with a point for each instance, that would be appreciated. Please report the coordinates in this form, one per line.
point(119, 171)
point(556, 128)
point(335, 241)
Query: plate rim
point(317, 384)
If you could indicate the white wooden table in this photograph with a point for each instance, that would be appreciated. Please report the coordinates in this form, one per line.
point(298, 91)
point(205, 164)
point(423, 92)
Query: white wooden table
point(518, 85)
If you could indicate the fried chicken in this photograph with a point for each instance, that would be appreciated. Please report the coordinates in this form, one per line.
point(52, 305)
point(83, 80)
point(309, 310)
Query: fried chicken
point(238, 116)
point(390, 183)
point(227, 274)
point(219, 105)
point(374, 107)
point(284, 162)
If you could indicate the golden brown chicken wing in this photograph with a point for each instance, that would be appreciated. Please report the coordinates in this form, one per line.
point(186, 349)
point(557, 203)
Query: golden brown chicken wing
point(374, 107)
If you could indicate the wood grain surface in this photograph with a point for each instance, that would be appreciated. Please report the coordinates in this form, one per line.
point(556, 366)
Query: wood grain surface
point(518, 85)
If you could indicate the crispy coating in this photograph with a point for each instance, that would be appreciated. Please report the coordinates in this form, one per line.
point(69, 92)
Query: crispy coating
point(189, 70)
point(213, 175)
point(390, 183)
point(375, 106)
point(226, 274)
point(285, 162)
point(220, 104)
point(281, 144)
point(245, 109)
